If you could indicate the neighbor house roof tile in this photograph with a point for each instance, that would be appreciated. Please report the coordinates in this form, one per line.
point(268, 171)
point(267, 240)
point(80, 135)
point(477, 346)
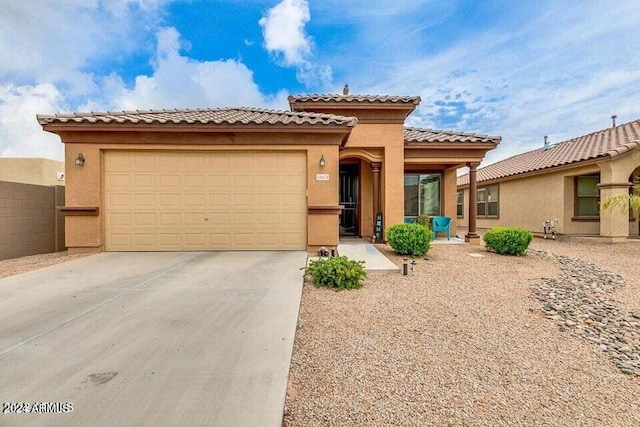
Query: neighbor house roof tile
point(607, 142)
point(441, 136)
point(381, 99)
point(224, 116)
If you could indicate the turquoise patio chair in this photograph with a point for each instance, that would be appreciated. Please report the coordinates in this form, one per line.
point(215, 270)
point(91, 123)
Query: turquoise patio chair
point(441, 224)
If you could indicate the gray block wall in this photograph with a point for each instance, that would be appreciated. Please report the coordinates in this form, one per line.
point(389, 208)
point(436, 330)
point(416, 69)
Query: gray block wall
point(29, 221)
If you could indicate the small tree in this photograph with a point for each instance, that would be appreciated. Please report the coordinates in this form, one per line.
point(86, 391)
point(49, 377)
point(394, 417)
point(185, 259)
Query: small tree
point(624, 201)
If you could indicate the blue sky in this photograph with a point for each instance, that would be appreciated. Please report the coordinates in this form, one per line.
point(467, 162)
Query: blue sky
point(521, 69)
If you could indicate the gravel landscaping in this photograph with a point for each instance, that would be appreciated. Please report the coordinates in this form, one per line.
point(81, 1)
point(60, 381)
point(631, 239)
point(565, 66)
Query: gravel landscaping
point(471, 340)
point(13, 266)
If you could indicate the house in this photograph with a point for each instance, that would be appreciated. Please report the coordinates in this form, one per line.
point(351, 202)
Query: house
point(35, 171)
point(565, 181)
point(248, 178)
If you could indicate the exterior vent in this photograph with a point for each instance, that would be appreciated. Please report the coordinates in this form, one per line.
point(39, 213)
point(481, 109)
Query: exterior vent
point(345, 90)
point(546, 143)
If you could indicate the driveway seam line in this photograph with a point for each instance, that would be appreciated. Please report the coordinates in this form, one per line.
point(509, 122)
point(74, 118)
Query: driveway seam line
point(89, 310)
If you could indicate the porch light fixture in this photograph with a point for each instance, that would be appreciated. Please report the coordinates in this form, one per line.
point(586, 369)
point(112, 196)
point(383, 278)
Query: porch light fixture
point(322, 162)
point(79, 160)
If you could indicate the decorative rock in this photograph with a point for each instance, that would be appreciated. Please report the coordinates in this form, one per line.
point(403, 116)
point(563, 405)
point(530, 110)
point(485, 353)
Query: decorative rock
point(581, 300)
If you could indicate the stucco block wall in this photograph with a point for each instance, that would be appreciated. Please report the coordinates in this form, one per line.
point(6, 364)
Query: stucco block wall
point(29, 221)
point(527, 202)
point(34, 171)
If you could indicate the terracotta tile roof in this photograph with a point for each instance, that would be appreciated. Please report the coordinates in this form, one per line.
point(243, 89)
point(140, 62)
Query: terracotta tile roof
point(379, 99)
point(226, 116)
point(607, 142)
point(442, 136)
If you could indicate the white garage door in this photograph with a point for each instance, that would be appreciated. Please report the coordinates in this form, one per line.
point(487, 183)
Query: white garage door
point(167, 201)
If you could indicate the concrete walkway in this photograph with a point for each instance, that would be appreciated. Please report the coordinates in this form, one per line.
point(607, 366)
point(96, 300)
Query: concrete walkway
point(152, 339)
point(361, 250)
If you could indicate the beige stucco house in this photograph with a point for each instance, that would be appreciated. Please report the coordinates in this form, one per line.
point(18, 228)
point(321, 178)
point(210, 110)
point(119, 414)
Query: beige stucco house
point(31, 170)
point(247, 178)
point(565, 181)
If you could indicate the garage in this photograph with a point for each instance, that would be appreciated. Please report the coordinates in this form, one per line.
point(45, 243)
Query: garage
point(217, 200)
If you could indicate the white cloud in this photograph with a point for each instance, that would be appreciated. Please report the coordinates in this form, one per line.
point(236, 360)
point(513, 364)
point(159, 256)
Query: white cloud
point(54, 41)
point(20, 133)
point(180, 82)
point(558, 74)
point(283, 29)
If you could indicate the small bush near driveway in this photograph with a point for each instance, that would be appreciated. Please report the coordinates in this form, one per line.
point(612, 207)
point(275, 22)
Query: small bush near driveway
point(507, 240)
point(409, 239)
point(338, 272)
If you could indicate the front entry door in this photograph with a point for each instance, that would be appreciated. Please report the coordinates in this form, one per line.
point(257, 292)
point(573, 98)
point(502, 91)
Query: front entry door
point(349, 199)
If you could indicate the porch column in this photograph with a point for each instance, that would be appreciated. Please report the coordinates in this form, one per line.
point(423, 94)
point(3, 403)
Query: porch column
point(375, 168)
point(471, 236)
point(614, 222)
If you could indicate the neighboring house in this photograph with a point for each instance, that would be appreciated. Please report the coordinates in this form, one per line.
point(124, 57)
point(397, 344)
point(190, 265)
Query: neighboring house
point(30, 190)
point(34, 171)
point(248, 178)
point(565, 181)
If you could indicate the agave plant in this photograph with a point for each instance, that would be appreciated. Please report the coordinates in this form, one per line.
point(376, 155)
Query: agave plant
point(624, 201)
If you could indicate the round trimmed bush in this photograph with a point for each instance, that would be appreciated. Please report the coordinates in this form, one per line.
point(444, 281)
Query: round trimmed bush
point(337, 272)
point(409, 239)
point(507, 240)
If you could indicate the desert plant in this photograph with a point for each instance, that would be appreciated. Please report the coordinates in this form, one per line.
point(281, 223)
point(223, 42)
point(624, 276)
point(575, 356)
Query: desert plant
point(409, 239)
point(424, 220)
point(624, 201)
point(337, 272)
point(507, 240)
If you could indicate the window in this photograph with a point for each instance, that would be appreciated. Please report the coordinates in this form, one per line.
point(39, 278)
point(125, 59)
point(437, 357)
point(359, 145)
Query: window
point(487, 202)
point(460, 204)
point(422, 194)
point(587, 196)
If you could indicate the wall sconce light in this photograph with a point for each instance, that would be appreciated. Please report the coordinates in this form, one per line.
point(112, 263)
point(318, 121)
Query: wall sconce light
point(322, 162)
point(79, 160)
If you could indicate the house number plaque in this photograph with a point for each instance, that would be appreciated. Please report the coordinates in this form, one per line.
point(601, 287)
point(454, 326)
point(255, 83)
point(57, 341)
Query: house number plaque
point(322, 177)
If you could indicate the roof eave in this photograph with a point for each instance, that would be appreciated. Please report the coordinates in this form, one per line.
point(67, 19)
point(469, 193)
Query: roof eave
point(190, 127)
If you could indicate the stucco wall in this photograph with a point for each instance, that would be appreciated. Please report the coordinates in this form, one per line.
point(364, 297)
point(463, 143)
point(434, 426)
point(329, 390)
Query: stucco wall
point(527, 202)
point(34, 171)
point(390, 137)
point(85, 187)
point(29, 221)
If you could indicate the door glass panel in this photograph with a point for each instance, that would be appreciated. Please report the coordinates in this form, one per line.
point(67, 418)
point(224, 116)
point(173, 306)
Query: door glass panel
point(349, 199)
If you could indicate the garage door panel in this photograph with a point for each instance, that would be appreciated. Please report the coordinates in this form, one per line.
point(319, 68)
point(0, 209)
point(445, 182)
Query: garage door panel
point(205, 201)
point(169, 219)
point(195, 200)
point(144, 218)
point(170, 180)
point(170, 201)
point(147, 200)
point(142, 161)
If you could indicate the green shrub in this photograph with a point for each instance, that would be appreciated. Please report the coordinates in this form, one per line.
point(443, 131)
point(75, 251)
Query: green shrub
point(337, 272)
point(507, 240)
point(409, 239)
point(424, 220)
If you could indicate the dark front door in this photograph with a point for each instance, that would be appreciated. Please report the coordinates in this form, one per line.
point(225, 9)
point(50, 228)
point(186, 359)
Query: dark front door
point(349, 199)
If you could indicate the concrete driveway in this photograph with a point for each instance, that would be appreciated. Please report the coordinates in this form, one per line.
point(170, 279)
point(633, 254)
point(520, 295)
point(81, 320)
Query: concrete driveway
point(152, 339)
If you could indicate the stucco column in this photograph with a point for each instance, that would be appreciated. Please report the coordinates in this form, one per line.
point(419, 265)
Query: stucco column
point(614, 223)
point(375, 169)
point(471, 236)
